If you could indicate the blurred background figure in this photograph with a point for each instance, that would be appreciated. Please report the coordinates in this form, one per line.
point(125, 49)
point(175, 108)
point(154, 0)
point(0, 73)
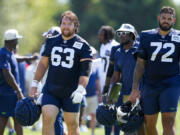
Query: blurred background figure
point(82, 116)
point(93, 95)
point(106, 37)
point(10, 91)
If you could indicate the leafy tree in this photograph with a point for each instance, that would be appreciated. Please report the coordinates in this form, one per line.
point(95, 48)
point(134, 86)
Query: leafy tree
point(31, 18)
point(94, 13)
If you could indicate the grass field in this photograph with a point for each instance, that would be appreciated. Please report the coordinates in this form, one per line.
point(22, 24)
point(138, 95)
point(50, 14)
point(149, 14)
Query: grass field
point(100, 131)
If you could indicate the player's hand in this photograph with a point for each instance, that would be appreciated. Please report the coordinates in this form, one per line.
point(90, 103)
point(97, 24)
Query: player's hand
point(33, 92)
point(35, 56)
point(20, 95)
point(78, 94)
point(135, 94)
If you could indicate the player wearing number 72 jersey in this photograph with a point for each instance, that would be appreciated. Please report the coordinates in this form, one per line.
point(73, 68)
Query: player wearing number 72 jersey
point(158, 62)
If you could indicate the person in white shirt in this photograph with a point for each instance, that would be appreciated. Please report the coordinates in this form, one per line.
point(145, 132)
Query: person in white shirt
point(106, 37)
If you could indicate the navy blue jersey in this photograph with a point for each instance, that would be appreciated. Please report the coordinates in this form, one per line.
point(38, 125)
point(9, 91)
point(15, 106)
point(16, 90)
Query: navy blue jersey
point(7, 61)
point(113, 51)
point(64, 64)
point(125, 64)
point(161, 54)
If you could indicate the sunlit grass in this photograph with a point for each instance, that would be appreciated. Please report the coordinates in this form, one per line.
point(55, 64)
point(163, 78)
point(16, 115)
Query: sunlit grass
point(100, 131)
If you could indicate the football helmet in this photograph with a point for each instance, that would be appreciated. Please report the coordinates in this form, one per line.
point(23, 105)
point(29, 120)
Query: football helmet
point(106, 114)
point(128, 28)
point(55, 30)
point(27, 112)
point(130, 117)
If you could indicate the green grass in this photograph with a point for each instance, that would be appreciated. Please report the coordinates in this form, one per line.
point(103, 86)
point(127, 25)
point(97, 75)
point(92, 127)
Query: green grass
point(100, 131)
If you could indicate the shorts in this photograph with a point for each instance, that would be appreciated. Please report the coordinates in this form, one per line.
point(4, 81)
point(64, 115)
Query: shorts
point(62, 103)
point(160, 99)
point(7, 105)
point(92, 104)
point(83, 102)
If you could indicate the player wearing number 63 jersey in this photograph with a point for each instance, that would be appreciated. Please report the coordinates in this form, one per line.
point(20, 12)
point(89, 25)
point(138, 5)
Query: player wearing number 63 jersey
point(64, 67)
point(68, 58)
point(158, 62)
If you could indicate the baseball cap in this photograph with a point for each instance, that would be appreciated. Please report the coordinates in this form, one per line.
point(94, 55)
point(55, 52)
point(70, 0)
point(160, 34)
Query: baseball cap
point(11, 34)
point(55, 30)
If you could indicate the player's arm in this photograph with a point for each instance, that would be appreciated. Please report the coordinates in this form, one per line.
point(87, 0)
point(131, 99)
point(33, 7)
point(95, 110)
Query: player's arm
point(12, 82)
point(41, 68)
point(109, 71)
point(26, 58)
point(108, 77)
point(138, 74)
point(85, 69)
point(98, 88)
point(114, 89)
point(40, 71)
point(116, 77)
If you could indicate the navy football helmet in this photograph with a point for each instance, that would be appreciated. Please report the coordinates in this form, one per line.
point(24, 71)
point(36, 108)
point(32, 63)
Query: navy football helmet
point(106, 114)
point(27, 112)
point(130, 117)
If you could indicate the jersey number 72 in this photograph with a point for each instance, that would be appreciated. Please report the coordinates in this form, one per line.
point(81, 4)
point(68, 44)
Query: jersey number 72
point(165, 57)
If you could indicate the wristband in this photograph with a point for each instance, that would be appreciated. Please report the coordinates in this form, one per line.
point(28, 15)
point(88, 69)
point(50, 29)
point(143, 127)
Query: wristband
point(35, 83)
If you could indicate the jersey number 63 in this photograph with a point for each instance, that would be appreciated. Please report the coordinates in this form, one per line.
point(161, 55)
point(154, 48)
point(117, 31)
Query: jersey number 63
point(56, 58)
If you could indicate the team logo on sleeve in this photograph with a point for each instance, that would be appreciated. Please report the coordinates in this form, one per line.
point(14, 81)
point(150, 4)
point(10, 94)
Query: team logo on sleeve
point(175, 38)
point(78, 45)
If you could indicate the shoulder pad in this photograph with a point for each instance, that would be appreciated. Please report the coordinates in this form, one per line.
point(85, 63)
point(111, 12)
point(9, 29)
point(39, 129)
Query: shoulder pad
point(175, 31)
point(80, 39)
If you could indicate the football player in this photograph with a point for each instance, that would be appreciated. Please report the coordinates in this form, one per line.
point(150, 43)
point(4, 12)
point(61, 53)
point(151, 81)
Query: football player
point(10, 90)
point(58, 125)
point(69, 58)
point(106, 37)
point(158, 62)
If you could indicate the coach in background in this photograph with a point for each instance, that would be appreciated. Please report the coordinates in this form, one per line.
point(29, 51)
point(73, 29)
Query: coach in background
point(69, 59)
point(158, 64)
point(124, 63)
point(10, 90)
